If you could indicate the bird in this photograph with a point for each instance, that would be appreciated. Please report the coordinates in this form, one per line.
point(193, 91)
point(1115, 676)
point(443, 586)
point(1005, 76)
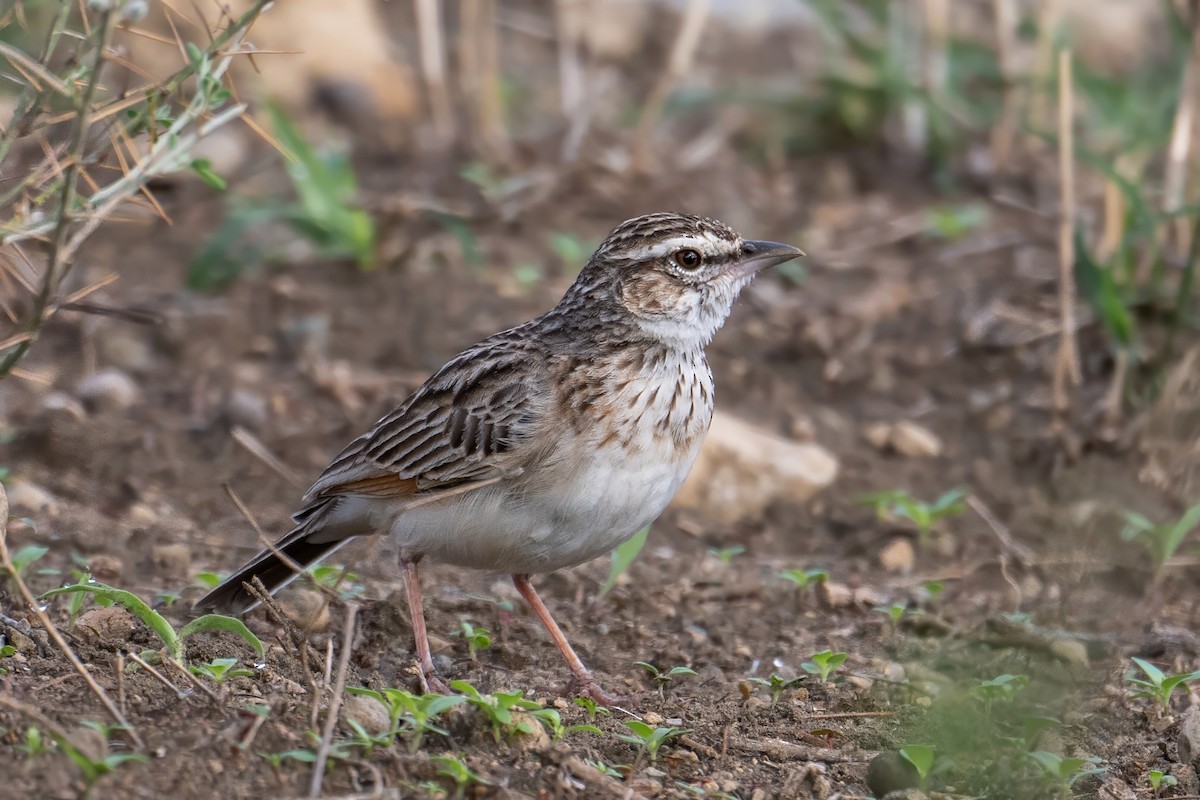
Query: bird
point(544, 446)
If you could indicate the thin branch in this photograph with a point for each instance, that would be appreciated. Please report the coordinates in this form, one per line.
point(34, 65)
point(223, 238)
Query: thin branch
point(682, 53)
point(335, 703)
point(77, 142)
point(1066, 366)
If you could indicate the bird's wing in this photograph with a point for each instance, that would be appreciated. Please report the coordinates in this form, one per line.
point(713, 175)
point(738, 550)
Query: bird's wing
point(463, 428)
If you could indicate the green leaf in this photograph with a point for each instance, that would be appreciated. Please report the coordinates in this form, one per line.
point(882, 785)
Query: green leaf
point(920, 756)
point(1154, 673)
point(622, 558)
point(134, 605)
point(203, 168)
point(219, 622)
point(26, 556)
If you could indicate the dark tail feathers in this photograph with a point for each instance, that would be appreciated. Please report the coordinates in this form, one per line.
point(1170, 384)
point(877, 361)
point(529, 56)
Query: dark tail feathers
point(231, 597)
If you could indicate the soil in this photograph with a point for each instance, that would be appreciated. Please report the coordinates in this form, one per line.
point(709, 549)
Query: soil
point(889, 323)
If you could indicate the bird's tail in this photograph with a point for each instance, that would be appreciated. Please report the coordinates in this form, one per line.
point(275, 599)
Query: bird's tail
point(303, 546)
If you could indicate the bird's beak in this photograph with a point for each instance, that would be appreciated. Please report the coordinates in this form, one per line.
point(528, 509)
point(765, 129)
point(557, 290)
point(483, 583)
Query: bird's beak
point(759, 255)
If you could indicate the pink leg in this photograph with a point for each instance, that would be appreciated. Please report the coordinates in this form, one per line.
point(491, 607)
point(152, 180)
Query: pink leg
point(412, 589)
point(582, 682)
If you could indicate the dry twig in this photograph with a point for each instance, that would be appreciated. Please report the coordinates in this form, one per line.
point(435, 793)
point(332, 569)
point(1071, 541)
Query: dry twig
point(1066, 365)
point(335, 703)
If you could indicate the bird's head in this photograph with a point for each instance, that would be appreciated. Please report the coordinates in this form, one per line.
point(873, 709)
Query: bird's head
point(675, 275)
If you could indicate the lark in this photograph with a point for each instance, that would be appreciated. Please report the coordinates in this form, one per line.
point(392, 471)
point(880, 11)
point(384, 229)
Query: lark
point(545, 445)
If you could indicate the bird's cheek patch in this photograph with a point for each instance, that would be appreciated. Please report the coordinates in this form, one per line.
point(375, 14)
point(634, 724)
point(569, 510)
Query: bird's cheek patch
point(652, 294)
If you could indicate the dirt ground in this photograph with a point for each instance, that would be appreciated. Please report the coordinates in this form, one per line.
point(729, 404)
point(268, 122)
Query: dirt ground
point(890, 322)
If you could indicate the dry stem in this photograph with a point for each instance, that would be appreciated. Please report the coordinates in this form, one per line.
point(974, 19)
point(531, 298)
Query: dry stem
point(1066, 366)
point(335, 703)
point(682, 53)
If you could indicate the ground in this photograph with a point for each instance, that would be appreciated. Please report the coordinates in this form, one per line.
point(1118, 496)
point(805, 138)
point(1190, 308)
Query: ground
point(889, 322)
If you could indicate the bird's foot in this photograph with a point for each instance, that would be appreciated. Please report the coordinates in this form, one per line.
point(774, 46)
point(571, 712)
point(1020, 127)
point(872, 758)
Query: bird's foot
point(585, 686)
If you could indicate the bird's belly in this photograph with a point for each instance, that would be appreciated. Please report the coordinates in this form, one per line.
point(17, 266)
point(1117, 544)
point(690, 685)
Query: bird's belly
point(590, 506)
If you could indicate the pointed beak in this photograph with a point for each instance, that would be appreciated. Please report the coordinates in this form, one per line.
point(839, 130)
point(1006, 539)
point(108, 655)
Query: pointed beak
point(758, 255)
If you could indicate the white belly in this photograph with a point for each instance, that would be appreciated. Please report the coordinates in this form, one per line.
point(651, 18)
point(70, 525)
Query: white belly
point(603, 501)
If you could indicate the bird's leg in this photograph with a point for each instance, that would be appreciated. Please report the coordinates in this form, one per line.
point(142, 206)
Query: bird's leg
point(582, 682)
point(430, 682)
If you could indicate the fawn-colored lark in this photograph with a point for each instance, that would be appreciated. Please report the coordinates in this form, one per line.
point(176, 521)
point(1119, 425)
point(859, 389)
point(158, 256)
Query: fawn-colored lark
point(548, 444)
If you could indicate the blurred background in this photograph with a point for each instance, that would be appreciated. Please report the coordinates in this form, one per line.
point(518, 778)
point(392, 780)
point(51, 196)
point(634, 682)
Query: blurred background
point(234, 234)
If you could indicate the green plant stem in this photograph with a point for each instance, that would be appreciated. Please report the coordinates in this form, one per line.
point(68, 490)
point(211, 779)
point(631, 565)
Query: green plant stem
point(75, 146)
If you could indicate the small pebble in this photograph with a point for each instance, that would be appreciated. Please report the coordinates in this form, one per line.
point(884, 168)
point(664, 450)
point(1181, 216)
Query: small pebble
point(368, 712)
point(898, 556)
point(173, 561)
point(108, 390)
point(28, 499)
point(913, 440)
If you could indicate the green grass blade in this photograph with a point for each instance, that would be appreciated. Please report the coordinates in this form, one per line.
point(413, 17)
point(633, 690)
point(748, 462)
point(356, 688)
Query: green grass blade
point(134, 605)
point(622, 558)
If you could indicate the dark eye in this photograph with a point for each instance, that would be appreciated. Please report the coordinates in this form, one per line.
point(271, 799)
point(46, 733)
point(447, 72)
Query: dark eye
point(688, 259)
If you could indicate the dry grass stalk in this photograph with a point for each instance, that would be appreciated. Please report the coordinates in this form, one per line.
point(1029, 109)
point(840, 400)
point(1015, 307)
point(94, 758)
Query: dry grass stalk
point(1066, 368)
point(433, 67)
point(335, 702)
point(1004, 132)
point(1180, 147)
point(480, 67)
point(682, 53)
point(1049, 20)
point(570, 66)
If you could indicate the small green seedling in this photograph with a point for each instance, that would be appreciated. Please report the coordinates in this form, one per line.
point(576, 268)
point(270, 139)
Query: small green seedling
point(649, 740)
point(604, 768)
point(7, 651)
point(1002, 687)
point(24, 558)
point(339, 580)
point(208, 580)
point(933, 589)
point(415, 712)
point(622, 558)
point(1033, 726)
point(276, 759)
point(956, 221)
point(924, 516)
point(172, 639)
point(921, 758)
point(553, 723)
point(776, 685)
point(896, 612)
point(220, 670)
point(663, 677)
point(477, 638)
point(823, 664)
point(1159, 780)
point(167, 598)
point(1061, 773)
point(591, 708)
point(450, 767)
point(1157, 685)
point(497, 707)
point(1160, 540)
point(804, 579)
point(95, 769)
point(34, 744)
point(726, 554)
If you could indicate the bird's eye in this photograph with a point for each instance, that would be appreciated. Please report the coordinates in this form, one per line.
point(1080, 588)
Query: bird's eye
point(688, 259)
